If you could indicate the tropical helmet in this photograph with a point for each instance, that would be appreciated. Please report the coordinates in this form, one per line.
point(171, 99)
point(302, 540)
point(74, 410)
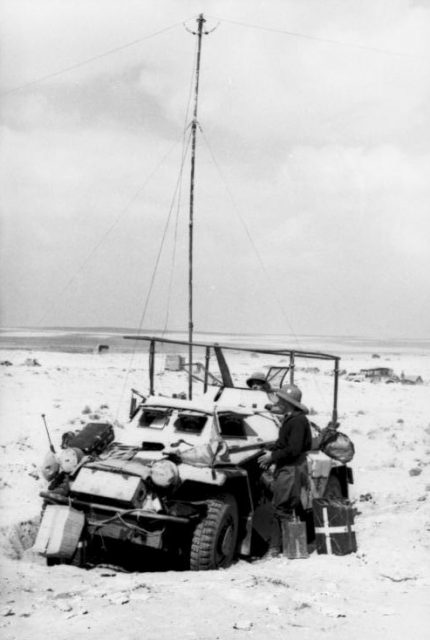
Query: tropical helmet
point(257, 376)
point(292, 395)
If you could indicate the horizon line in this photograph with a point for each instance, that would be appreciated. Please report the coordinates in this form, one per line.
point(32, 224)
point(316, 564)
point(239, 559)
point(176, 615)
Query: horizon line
point(120, 329)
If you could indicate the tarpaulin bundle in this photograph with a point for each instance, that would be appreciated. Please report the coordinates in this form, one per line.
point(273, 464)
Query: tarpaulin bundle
point(336, 445)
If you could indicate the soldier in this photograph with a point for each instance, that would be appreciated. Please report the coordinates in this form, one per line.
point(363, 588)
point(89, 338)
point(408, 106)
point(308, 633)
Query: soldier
point(288, 455)
point(257, 381)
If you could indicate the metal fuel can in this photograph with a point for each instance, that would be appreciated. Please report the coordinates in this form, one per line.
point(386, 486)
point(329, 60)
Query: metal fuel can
point(294, 538)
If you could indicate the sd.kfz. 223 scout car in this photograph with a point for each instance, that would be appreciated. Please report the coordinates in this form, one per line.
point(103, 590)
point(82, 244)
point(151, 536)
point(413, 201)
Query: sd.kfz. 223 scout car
point(187, 482)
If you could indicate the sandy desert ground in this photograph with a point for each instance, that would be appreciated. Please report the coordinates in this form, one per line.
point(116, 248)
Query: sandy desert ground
point(383, 590)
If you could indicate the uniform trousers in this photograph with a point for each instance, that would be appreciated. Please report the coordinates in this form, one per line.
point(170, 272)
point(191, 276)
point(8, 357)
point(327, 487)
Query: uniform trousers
point(287, 486)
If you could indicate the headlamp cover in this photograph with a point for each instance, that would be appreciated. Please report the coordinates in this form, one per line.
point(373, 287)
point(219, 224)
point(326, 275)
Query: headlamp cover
point(69, 459)
point(164, 473)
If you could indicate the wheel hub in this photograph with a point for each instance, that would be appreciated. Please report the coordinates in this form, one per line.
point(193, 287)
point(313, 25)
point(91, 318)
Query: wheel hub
point(226, 540)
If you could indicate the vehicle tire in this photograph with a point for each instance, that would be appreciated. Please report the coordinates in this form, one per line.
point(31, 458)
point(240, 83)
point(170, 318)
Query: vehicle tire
point(333, 489)
point(79, 557)
point(51, 562)
point(214, 539)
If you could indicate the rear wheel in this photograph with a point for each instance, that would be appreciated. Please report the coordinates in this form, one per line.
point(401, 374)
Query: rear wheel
point(79, 557)
point(214, 539)
point(333, 488)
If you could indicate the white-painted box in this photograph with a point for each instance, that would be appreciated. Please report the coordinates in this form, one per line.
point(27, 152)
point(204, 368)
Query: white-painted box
point(59, 532)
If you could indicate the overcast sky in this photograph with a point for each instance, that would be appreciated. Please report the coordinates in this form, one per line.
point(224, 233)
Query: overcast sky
point(312, 203)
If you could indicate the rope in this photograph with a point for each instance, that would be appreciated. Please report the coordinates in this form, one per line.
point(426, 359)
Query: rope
point(162, 241)
point(53, 304)
point(88, 60)
point(97, 524)
point(339, 43)
point(154, 273)
point(175, 237)
point(263, 267)
point(233, 22)
point(173, 261)
point(257, 253)
point(177, 189)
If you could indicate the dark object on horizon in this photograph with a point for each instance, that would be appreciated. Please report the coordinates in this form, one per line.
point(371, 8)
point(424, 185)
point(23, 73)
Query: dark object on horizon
point(310, 369)
point(32, 362)
point(375, 355)
point(174, 363)
point(377, 372)
point(5, 363)
point(334, 526)
point(101, 348)
point(411, 379)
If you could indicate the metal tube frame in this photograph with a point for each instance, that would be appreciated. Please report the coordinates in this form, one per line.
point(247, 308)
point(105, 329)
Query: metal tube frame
point(292, 353)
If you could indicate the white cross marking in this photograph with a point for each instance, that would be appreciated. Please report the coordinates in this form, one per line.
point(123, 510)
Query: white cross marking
point(327, 530)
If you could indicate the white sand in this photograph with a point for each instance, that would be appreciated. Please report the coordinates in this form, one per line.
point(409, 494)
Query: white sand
point(381, 591)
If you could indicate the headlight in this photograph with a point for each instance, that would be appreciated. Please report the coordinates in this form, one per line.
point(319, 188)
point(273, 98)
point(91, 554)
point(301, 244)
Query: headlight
point(164, 473)
point(69, 459)
point(50, 466)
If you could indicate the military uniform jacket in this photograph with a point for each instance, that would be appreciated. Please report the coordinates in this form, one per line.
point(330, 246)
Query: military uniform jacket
point(293, 442)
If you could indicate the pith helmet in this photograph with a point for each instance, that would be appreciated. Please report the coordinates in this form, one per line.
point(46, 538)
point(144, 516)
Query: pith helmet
point(257, 376)
point(292, 394)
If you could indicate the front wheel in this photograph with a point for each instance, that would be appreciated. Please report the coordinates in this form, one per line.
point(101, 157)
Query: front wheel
point(214, 539)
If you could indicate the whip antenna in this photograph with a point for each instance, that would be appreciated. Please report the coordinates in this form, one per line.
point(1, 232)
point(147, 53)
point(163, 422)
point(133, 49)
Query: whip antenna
point(51, 446)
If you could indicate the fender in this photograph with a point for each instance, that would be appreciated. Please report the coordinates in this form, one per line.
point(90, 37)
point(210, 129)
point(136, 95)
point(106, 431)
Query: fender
point(202, 475)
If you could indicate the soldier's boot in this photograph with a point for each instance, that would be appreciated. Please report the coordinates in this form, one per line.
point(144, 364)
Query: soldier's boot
point(275, 540)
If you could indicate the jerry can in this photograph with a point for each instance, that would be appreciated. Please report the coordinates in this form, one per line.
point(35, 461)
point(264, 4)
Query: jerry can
point(294, 538)
point(334, 526)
